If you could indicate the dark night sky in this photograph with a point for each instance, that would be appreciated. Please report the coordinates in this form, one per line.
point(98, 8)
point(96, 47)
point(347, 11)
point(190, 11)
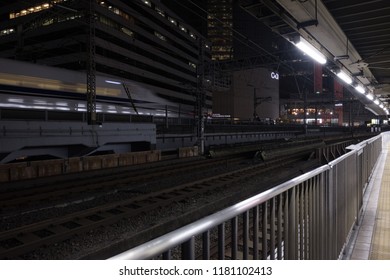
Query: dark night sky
point(247, 28)
point(194, 13)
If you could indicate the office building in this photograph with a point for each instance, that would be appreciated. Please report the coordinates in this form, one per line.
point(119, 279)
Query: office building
point(140, 40)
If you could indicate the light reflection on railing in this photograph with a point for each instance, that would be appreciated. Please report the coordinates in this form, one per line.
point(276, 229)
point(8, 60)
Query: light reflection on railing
point(308, 217)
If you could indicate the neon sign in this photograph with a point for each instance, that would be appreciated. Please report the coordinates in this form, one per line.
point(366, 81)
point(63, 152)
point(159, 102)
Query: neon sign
point(275, 75)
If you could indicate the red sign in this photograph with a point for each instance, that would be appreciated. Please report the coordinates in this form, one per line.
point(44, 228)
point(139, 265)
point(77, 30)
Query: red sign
point(317, 78)
point(338, 96)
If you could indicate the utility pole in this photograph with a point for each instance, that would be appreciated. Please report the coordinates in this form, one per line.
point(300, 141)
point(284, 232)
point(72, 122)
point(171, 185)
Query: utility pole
point(254, 104)
point(257, 100)
point(91, 65)
point(200, 99)
point(304, 112)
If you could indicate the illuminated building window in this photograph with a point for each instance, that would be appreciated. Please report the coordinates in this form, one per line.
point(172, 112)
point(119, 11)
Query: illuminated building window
point(193, 65)
point(115, 10)
point(108, 22)
point(182, 28)
point(172, 20)
point(192, 35)
point(31, 10)
point(220, 23)
point(160, 36)
point(147, 3)
point(159, 11)
point(48, 21)
point(127, 31)
point(221, 57)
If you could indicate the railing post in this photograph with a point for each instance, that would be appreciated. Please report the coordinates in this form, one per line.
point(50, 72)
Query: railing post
point(167, 255)
point(234, 246)
point(322, 218)
point(307, 220)
point(328, 223)
point(245, 235)
point(221, 241)
point(332, 215)
point(301, 221)
point(206, 245)
point(188, 249)
point(280, 227)
point(291, 228)
point(264, 225)
point(272, 229)
point(311, 204)
point(255, 232)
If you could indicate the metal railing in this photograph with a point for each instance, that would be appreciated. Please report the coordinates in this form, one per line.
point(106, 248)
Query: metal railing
point(308, 217)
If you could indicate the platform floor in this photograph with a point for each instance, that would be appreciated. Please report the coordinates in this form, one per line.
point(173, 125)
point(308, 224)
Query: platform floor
point(372, 238)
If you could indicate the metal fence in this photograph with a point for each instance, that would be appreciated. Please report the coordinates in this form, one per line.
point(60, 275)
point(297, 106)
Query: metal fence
point(308, 217)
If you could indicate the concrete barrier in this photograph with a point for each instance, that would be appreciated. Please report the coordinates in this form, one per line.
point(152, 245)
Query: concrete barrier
point(110, 161)
point(188, 152)
point(4, 173)
point(125, 159)
point(48, 167)
point(73, 165)
point(21, 171)
point(45, 168)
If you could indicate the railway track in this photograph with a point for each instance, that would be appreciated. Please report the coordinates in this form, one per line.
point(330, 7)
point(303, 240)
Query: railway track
point(21, 240)
point(122, 179)
point(66, 188)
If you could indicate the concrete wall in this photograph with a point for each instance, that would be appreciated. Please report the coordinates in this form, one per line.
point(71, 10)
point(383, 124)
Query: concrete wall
point(238, 102)
point(36, 138)
point(223, 103)
point(188, 152)
point(173, 142)
point(259, 82)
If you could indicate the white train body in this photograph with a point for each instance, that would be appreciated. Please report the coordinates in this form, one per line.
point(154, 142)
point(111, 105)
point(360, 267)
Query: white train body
point(37, 87)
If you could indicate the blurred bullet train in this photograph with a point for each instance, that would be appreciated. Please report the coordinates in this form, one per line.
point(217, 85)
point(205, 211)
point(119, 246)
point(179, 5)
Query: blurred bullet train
point(30, 86)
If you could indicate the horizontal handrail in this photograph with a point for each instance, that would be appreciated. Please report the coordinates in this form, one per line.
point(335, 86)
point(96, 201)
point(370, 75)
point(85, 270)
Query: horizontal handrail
point(170, 240)
point(174, 238)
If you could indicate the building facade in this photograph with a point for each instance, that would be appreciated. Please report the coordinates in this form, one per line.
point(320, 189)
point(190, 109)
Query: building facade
point(220, 28)
point(139, 40)
point(253, 96)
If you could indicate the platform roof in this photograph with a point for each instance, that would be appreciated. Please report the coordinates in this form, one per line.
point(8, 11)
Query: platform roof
point(354, 35)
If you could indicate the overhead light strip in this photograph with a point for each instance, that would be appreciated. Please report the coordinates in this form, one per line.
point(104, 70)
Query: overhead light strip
point(360, 89)
point(345, 77)
point(310, 50)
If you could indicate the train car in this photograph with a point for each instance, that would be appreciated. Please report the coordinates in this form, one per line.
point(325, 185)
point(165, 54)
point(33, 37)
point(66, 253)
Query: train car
point(30, 86)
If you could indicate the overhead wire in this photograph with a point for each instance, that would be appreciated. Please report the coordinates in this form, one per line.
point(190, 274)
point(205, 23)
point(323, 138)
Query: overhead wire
point(239, 36)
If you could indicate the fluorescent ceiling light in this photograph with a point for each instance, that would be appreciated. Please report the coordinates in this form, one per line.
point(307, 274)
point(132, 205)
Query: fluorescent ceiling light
point(382, 106)
point(376, 101)
point(343, 76)
point(360, 89)
point(370, 96)
point(310, 50)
